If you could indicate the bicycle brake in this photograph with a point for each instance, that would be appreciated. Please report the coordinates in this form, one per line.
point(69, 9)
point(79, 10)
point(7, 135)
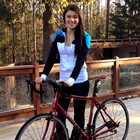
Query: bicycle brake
point(28, 88)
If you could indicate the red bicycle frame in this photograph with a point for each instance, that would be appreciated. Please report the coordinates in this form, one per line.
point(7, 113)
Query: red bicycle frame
point(93, 102)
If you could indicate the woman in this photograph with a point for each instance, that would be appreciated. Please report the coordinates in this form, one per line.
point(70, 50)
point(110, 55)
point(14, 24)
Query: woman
point(72, 43)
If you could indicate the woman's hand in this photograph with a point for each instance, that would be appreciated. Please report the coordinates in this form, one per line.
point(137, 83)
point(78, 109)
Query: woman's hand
point(66, 83)
point(39, 80)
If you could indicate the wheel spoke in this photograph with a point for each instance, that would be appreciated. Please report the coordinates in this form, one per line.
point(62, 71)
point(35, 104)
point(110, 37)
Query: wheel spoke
point(34, 129)
point(118, 112)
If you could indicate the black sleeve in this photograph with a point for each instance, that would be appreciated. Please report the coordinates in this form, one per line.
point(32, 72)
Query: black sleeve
point(51, 58)
point(80, 61)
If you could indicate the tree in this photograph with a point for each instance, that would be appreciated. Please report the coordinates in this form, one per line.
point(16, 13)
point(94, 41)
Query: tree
point(18, 18)
point(28, 26)
point(107, 20)
point(125, 19)
point(34, 29)
point(48, 23)
point(47, 31)
point(3, 44)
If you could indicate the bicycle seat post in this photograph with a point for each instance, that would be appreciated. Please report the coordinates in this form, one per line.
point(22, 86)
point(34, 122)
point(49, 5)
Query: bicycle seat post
point(95, 88)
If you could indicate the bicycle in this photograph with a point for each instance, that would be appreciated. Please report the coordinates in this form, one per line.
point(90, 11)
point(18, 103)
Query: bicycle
point(111, 119)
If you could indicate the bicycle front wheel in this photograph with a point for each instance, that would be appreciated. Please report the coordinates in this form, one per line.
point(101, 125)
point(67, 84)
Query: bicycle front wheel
point(116, 109)
point(40, 127)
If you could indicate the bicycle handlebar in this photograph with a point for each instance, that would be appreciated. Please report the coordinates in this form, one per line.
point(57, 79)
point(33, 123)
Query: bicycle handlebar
point(58, 86)
point(54, 83)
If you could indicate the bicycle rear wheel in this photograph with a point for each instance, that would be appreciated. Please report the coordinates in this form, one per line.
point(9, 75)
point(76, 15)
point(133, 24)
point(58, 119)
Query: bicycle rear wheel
point(116, 109)
point(40, 125)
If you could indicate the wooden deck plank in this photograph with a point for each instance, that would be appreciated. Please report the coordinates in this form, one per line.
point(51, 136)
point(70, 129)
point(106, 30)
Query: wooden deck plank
point(133, 106)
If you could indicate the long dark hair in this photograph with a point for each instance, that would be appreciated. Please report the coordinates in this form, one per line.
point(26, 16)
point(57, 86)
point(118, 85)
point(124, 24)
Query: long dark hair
point(79, 31)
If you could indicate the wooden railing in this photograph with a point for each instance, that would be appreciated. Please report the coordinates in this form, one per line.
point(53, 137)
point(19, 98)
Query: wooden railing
point(35, 69)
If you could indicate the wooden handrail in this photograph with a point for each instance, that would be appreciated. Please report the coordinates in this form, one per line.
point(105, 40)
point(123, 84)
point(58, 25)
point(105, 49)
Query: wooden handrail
point(16, 67)
point(35, 69)
point(16, 70)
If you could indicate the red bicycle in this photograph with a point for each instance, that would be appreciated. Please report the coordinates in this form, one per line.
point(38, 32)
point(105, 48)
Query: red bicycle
point(111, 119)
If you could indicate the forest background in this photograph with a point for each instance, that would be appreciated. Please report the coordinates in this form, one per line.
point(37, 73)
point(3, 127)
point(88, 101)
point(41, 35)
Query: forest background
point(27, 26)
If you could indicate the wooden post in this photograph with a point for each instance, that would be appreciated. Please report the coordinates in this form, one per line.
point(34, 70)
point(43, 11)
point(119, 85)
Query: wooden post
point(10, 83)
point(116, 77)
point(138, 51)
point(36, 97)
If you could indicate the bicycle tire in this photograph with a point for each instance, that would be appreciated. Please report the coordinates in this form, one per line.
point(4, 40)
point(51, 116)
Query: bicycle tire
point(118, 112)
point(34, 128)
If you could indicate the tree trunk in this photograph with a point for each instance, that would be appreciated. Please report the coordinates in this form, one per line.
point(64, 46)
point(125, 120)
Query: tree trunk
point(8, 49)
point(107, 20)
point(83, 12)
point(39, 40)
point(34, 31)
point(90, 18)
point(97, 16)
point(101, 5)
point(48, 31)
point(27, 37)
point(87, 19)
point(13, 38)
point(13, 43)
point(22, 46)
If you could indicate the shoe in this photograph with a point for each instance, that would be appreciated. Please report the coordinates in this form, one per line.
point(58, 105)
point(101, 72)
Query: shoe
point(59, 136)
point(75, 135)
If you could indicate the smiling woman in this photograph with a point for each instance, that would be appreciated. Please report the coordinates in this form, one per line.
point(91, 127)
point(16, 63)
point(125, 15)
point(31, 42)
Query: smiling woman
point(72, 44)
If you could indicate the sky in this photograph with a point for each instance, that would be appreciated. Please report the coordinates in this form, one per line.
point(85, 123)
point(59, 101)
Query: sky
point(104, 2)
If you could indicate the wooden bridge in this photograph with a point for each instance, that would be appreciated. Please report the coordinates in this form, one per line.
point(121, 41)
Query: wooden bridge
point(35, 69)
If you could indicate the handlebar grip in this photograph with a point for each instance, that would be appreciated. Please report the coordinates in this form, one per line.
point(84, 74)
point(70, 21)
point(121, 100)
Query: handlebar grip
point(55, 84)
point(61, 92)
point(58, 86)
point(30, 82)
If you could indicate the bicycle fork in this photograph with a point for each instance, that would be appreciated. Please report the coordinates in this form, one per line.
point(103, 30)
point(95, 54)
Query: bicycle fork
point(47, 127)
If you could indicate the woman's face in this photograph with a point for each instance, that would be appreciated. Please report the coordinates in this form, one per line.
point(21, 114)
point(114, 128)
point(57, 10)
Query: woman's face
point(71, 19)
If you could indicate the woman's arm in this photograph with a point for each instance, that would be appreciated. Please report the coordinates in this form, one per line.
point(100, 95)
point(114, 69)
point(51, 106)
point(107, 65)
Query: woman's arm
point(50, 61)
point(80, 60)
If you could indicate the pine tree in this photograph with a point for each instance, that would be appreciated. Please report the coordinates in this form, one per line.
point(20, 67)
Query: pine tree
point(126, 19)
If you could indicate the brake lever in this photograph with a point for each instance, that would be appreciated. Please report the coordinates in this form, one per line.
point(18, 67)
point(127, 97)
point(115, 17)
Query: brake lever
point(28, 84)
point(41, 91)
point(27, 88)
point(60, 90)
point(32, 84)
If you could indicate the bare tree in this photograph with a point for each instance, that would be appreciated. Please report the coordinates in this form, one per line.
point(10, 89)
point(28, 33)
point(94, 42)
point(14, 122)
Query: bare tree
point(34, 31)
point(87, 19)
point(90, 17)
point(83, 12)
point(47, 31)
point(107, 19)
